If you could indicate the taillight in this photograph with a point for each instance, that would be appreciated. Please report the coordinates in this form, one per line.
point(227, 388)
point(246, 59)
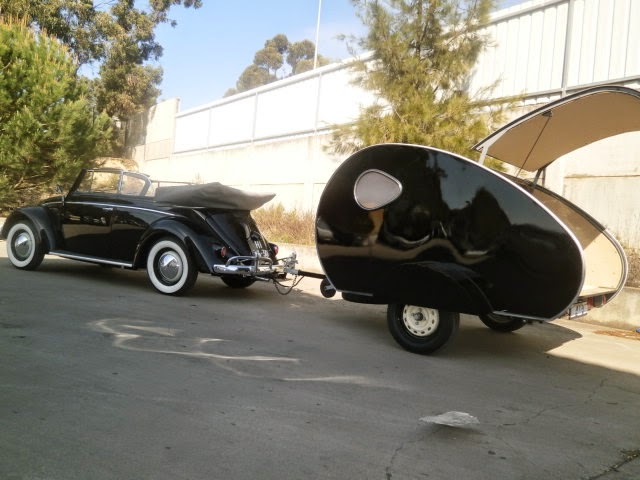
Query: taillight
point(274, 248)
point(223, 252)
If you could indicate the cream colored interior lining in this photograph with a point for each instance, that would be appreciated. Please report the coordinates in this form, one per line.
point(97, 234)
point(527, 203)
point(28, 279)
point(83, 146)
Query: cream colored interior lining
point(604, 268)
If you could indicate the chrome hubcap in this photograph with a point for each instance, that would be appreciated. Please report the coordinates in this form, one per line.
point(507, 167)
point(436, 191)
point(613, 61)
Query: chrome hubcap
point(170, 267)
point(22, 245)
point(420, 321)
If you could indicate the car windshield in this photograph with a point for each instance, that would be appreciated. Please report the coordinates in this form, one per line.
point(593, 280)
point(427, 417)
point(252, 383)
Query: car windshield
point(116, 182)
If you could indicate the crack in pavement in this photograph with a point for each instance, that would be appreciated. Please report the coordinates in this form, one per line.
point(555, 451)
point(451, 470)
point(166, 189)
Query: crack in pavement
point(629, 456)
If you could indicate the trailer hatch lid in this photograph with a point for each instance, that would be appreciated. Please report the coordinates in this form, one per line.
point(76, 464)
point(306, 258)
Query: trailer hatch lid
point(533, 141)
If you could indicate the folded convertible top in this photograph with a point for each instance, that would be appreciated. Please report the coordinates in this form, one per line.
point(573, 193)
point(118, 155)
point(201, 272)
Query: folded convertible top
point(212, 195)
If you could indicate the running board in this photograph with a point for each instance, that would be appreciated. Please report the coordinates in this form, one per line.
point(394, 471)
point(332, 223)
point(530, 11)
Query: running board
point(90, 259)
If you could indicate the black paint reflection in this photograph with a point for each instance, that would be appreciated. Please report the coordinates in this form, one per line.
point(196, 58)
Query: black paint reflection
point(459, 238)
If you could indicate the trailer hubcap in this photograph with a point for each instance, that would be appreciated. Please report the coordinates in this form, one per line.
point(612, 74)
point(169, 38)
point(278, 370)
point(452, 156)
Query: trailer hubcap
point(420, 321)
point(170, 266)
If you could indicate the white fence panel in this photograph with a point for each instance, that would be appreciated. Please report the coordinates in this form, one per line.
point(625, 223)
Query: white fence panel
point(232, 122)
point(632, 47)
point(192, 131)
point(287, 110)
point(526, 53)
point(340, 100)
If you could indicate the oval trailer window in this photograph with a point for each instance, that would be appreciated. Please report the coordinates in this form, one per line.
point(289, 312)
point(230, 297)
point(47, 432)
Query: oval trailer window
point(374, 189)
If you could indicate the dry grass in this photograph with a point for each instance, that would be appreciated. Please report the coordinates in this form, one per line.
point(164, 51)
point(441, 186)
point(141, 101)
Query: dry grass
point(631, 335)
point(633, 256)
point(286, 226)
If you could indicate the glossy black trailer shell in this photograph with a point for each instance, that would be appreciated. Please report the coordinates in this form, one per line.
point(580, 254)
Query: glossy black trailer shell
point(459, 238)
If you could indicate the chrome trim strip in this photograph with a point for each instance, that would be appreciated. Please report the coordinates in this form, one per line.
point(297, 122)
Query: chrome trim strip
point(121, 207)
point(88, 258)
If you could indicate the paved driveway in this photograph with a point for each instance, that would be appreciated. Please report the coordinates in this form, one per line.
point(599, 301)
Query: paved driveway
point(102, 378)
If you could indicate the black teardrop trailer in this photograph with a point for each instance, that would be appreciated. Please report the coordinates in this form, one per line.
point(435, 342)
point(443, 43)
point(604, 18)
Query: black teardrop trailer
point(433, 234)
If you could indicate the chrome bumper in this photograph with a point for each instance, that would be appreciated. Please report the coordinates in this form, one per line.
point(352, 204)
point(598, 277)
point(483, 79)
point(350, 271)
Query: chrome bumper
point(255, 266)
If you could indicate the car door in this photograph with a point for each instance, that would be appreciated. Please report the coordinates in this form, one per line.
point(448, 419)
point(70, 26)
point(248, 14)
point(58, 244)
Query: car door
point(134, 212)
point(87, 215)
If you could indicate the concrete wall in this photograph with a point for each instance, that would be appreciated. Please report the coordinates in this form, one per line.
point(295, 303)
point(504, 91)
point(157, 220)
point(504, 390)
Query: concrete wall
point(157, 127)
point(295, 168)
point(604, 179)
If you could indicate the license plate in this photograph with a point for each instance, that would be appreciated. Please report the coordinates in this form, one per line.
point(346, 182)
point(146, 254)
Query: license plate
point(578, 310)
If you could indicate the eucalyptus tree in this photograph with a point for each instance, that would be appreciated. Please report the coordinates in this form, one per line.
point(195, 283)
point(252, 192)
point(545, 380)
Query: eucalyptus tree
point(114, 37)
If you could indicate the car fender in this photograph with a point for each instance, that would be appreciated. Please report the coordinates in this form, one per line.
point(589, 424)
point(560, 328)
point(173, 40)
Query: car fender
point(41, 221)
point(197, 245)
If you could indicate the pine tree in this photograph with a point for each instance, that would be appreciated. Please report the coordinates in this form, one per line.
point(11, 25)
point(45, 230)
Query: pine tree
point(48, 128)
point(423, 52)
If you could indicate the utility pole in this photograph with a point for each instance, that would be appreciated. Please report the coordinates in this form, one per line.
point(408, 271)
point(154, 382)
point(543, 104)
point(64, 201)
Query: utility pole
point(315, 54)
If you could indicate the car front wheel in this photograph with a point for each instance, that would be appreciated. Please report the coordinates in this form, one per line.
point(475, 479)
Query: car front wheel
point(170, 268)
point(420, 329)
point(24, 248)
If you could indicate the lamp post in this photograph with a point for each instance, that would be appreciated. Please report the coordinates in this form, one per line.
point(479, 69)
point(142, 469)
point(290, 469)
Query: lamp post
point(315, 54)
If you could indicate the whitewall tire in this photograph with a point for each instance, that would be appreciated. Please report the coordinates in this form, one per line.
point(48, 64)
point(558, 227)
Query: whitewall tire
point(24, 247)
point(170, 268)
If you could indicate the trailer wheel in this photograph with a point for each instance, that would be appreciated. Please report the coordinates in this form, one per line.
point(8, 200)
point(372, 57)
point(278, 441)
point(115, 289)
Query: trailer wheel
point(502, 323)
point(235, 281)
point(420, 329)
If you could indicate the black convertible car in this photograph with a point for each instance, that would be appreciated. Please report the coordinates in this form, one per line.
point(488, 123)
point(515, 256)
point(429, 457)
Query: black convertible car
point(124, 219)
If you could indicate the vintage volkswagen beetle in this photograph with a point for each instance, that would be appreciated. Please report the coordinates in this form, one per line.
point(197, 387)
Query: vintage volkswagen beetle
point(124, 219)
point(433, 234)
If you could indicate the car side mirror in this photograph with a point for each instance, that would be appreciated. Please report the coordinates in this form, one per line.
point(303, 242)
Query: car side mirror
point(60, 192)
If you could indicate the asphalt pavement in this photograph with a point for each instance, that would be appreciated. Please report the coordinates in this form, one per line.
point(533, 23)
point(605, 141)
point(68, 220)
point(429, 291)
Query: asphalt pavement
point(103, 378)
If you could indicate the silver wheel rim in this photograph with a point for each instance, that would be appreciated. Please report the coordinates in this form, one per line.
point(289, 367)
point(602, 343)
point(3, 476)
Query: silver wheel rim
point(23, 245)
point(170, 267)
point(420, 321)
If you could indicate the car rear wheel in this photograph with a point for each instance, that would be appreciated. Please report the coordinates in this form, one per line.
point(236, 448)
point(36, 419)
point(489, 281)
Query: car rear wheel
point(24, 247)
point(420, 329)
point(502, 323)
point(170, 268)
point(235, 281)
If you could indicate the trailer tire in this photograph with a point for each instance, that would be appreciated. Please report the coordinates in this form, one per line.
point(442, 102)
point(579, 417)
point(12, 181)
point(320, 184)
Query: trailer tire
point(419, 329)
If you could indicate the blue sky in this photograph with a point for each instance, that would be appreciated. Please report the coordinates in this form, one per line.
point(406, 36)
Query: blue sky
point(210, 47)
